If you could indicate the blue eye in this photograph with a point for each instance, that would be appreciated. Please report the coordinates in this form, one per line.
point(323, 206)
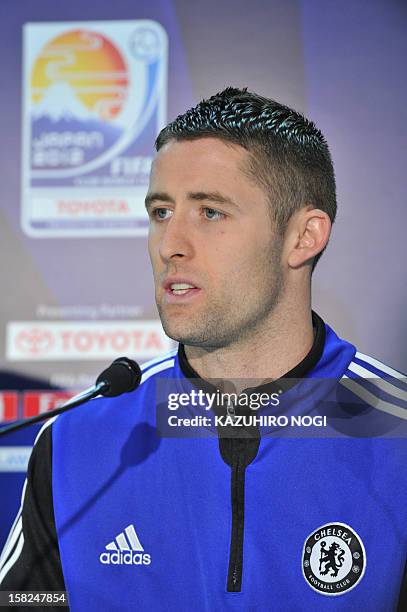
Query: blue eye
point(210, 213)
point(160, 213)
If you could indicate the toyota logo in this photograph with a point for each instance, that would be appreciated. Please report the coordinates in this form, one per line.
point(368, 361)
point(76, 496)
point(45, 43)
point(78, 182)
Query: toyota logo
point(34, 341)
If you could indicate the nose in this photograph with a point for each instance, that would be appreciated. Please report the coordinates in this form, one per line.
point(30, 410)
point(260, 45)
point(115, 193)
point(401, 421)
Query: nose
point(176, 238)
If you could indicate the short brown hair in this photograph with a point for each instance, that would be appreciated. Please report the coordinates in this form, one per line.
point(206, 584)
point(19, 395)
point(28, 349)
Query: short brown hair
point(289, 156)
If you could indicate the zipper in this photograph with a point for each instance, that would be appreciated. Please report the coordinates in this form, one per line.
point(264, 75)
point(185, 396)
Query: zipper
point(234, 583)
point(237, 496)
point(238, 452)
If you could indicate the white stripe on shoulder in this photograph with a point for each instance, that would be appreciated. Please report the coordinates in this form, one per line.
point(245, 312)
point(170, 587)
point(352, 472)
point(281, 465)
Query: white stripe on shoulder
point(160, 359)
point(11, 540)
point(44, 427)
point(380, 366)
point(380, 383)
point(373, 400)
point(14, 557)
point(17, 527)
point(158, 368)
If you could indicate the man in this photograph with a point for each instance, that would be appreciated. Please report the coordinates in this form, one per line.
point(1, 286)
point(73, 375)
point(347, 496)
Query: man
point(241, 202)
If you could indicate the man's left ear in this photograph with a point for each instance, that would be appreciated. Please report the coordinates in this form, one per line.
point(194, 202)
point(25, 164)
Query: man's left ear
point(308, 234)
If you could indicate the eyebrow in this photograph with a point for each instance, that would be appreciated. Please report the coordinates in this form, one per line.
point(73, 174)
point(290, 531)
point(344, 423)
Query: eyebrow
point(157, 197)
point(197, 196)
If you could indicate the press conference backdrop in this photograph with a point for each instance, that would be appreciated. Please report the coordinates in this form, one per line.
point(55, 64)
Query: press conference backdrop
point(85, 87)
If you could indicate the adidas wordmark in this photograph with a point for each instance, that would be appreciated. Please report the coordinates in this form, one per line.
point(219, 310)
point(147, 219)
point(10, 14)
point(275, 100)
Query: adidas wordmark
point(125, 550)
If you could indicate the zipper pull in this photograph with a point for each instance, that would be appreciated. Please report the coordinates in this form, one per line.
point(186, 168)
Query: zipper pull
point(230, 410)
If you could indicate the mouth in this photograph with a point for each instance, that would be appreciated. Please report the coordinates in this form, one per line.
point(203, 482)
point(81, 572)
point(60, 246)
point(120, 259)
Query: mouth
point(180, 291)
point(180, 288)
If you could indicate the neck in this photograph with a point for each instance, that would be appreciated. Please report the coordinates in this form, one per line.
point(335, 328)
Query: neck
point(268, 354)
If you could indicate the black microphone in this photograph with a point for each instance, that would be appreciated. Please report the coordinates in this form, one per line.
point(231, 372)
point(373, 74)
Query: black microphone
point(122, 376)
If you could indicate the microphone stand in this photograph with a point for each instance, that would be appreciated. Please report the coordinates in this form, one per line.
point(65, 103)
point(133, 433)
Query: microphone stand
point(77, 400)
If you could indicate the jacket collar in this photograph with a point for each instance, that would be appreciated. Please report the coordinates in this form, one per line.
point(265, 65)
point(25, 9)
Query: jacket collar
point(276, 386)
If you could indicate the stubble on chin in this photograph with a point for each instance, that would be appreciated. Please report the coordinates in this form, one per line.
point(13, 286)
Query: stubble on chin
point(217, 329)
point(228, 318)
point(186, 329)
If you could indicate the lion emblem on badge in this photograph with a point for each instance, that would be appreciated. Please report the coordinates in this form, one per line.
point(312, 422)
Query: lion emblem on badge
point(330, 559)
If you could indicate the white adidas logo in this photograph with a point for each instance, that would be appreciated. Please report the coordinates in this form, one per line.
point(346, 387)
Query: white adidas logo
point(125, 550)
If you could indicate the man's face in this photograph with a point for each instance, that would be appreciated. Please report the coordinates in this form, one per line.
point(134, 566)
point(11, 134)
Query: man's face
point(215, 256)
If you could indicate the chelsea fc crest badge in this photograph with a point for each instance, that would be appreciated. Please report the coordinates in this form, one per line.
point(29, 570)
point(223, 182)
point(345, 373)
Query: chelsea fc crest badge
point(333, 559)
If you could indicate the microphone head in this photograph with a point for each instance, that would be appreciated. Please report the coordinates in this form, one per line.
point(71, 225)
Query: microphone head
point(122, 376)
